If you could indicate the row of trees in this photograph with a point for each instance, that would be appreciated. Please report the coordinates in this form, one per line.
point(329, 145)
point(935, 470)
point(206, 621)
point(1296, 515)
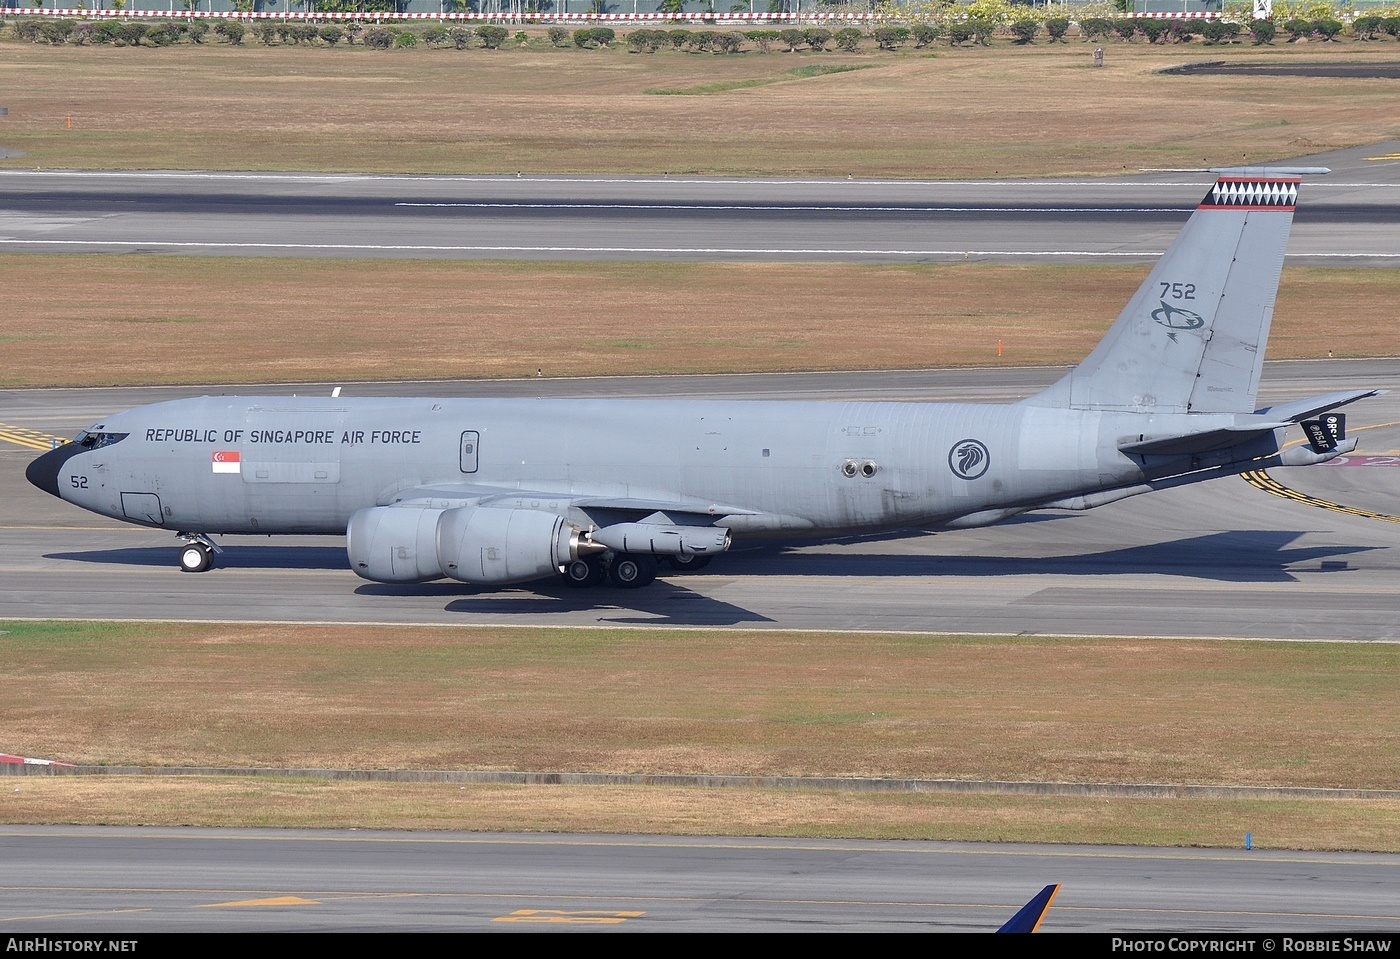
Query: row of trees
point(162, 33)
point(490, 36)
point(1262, 31)
point(1023, 30)
point(1001, 12)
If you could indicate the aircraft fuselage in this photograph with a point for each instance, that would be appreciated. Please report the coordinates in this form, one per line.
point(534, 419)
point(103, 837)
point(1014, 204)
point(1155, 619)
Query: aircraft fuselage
point(305, 465)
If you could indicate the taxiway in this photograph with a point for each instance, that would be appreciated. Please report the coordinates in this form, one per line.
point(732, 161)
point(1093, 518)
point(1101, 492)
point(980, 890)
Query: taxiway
point(131, 881)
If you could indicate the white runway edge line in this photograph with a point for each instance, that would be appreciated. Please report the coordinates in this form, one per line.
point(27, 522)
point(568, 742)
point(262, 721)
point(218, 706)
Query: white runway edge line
point(754, 629)
point(651, 251)
point(659, 178)
point(652, 180)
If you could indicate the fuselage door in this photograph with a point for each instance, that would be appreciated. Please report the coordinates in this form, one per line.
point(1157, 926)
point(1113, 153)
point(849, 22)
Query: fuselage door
point(470, 441)
point(142, 508)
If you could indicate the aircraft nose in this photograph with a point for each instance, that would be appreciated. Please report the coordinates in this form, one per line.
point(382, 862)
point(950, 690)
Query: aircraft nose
point(43, 472)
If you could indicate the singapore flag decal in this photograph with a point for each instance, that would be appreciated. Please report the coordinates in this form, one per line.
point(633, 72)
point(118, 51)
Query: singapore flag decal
point(227, 461)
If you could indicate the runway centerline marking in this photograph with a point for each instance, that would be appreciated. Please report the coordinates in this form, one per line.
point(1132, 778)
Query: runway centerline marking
point(782, 208)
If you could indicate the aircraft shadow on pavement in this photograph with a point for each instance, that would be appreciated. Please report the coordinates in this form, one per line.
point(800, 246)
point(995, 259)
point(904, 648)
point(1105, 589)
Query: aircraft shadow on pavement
point(664, 603)
point(1248, 556)
point(1243, 556)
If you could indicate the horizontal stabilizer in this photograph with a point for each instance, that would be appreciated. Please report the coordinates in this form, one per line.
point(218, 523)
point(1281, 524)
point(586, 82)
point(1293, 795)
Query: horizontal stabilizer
point(1300, 410)
point(1186, 444)
point(1266, 421)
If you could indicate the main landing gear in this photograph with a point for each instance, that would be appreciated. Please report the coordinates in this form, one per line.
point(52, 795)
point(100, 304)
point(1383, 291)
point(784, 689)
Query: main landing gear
point(624, 570)
point(197, 553)
point(632, 570)
point(586, 571)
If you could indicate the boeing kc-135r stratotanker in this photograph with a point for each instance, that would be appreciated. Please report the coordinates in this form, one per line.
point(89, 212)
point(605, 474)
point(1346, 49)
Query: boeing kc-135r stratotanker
point(492, 492)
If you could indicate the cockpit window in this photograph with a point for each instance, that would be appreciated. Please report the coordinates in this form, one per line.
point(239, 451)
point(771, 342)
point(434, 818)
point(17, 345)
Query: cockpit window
point(95, 441)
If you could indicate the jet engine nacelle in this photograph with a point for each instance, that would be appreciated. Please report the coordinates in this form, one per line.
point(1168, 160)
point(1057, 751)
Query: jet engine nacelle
point(491, 546)
point(662, 540)
point(394, 544)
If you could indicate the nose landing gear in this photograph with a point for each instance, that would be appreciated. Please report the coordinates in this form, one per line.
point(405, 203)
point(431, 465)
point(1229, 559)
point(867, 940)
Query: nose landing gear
point(197, 553)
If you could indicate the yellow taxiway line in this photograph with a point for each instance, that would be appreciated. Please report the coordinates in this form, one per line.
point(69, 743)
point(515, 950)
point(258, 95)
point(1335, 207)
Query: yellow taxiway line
point(1260, 479)
point(33, 439)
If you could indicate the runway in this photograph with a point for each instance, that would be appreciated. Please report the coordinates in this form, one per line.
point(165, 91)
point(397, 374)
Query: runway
point(132, 881)
point(1348, 218)
point(1224, 559)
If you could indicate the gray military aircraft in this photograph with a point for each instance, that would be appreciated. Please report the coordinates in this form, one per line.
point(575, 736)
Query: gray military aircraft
point(493, 492)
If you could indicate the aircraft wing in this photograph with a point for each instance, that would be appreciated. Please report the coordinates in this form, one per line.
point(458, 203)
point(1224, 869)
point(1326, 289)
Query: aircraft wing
point(624, 503)
point(450, 495)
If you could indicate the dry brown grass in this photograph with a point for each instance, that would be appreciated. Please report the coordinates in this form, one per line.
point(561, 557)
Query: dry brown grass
point(631, 701)
point(131, 800)
point(98, 320)
point(1012, 111)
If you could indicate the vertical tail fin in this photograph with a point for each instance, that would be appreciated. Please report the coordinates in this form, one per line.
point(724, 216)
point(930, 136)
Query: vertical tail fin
point(1029, 917)
point(1191, 340)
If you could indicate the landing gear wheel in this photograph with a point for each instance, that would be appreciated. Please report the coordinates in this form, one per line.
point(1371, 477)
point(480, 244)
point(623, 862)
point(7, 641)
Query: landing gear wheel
point(689, 563)
point(632, 571)
point(195, 558)
point(588, 571)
